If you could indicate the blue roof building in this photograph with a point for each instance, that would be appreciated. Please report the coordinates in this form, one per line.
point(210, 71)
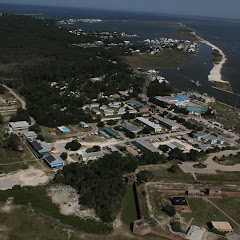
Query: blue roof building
point(181, 98)
point(54, 161)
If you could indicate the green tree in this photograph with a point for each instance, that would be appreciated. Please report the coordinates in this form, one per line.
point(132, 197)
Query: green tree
point(144, 176)
point(173, 169)
point(74, 145)
point(64, 155)
point(169, 210)
point(12, 142)
point(35, 127)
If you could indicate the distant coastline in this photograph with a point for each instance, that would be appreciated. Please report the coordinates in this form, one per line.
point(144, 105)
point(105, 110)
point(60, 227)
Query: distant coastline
point(215, 74)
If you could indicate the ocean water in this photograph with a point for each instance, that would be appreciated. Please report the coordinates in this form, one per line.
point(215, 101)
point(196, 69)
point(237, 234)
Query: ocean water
point(221, 32)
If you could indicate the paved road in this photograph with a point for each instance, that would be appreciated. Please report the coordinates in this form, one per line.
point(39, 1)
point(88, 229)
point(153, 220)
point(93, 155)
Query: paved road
point(212, 167)
point(23, 103)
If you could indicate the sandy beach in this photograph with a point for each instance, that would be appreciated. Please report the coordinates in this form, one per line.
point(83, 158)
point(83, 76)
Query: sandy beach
point(215, 74)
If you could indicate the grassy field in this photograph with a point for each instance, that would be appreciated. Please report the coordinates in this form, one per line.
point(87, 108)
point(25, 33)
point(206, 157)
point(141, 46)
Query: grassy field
point(220, 176)
point(230, 205)
point(129, 212)
point(160, 172)
point(223, 86)
point(22, 220)
point(228, 161)
point(164, 59)
point(222, 108)
point(14, 160)
point(203, 212)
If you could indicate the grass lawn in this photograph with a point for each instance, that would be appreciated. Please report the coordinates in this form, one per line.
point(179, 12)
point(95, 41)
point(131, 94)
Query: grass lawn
point(203, 212)
point(228, 161)
point(222, 108)
point(9, 156)
point(230, 205)
point(160, 172)
point(129, 212)
point(220, 176)
point(33, 195)
point(164, 59)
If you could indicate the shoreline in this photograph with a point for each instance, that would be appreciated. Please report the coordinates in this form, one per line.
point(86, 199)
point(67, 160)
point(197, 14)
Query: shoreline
point(215, 74)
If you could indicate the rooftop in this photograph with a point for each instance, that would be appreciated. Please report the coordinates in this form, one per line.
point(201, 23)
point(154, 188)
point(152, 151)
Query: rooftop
point(179, 201)
point(147, 145)
point(164, 120)
point(132, 128)
point(93, 154)
point(222, 226)
point(54, 160)
point(30, 134)
point(147, 122)
point(20, 124)
point(181, 98)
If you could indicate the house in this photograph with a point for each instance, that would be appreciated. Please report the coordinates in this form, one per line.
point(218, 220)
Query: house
point(222, 226)
point(132, 128)
point(193, 192)
point(18, 126)
point(103, 107)
point(165, 122)
point(85, 157)
point(207, 138)
point(11, 101)
point(154, 127)
point(132, 111)
point(40, 148)
point(83, 124)
point(54, 161)
point(111, 132)
point(95, 111)
point(147, 146)
point(30, 136)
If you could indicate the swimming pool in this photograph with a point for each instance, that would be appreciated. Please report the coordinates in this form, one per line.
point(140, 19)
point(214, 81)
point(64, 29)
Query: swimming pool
point(63, 129)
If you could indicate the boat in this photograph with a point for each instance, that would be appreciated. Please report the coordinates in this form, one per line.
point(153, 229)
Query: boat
point(197, 83)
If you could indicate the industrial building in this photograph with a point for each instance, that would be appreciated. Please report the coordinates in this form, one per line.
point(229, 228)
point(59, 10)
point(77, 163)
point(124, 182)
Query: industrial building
point(30, 136)
point(140, 107)
point(85, 157)
point(40, 148)
point(154, 127)
point(111, 132)
point(54, 161)
point(147, 146)
point(132, 128)
point(165, 122)
point(18, 126)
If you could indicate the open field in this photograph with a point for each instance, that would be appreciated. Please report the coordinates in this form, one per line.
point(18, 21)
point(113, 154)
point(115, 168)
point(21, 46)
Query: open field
point(230, 205)
point(220, 176)
point(160, 172)
point(228, 161)
point(224, 86)
point(129, 212)
point(164, 59)
point(18, 218)
point(203, 212)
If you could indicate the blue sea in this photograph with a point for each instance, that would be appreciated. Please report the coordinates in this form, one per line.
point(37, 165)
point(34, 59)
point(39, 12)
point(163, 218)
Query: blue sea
point(223, 33)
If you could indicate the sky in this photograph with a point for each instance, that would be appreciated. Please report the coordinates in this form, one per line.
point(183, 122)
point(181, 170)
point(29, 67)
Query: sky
point(210, 8)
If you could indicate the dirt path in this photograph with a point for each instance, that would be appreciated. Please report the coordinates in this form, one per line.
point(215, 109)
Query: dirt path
point(208, 200)
point(23, 103)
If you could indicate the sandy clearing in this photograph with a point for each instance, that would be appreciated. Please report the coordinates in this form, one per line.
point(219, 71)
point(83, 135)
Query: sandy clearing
point(28, 177)
point(66, 198)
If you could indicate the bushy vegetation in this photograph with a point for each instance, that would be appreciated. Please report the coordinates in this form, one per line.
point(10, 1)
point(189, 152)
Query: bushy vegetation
point(144, 176)
point(100, 184)
point(169, 210)
point(159, 89)
point(74, 145)
point(44, 54)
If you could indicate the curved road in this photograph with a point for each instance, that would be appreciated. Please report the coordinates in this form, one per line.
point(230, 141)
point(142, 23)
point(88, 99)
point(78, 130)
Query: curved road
point(212, 167)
